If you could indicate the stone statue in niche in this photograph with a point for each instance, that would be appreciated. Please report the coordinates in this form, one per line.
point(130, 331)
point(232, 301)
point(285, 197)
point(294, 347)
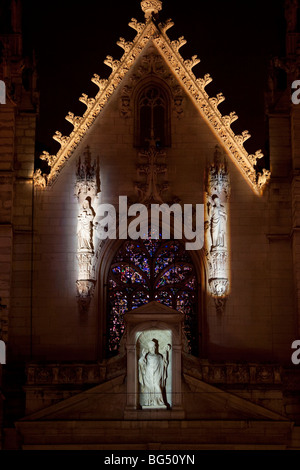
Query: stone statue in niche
point(218, 222)
point(153, 373)
point(85, 227)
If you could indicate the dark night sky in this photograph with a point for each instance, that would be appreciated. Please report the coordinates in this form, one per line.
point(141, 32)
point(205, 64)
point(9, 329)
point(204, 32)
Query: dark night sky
point(234, 40)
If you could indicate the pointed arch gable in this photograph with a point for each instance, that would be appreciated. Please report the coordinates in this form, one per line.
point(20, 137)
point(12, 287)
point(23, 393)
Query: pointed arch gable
point(220, 125)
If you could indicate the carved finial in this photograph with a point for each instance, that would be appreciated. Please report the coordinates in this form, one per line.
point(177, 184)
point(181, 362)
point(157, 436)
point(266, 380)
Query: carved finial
point(217, 100)
point(166, 25)
point(39, 179)
point(112, 63)
point(177, 44)
point(100, 82)
point(203, 82)
point(190, 63)
point(50, 159)
point(137, 26)
point(61, 139)
point(230, 119)
point(126, 45)
point(257, 156)
point(151, 7)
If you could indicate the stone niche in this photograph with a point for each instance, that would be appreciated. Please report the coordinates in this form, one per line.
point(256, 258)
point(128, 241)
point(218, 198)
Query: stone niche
point(154, 344)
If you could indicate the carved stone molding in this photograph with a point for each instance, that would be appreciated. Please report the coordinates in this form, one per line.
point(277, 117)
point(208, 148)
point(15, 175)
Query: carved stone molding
point(87, 178)
point(39, 179)
point(232, 373)
point(219, 287)
point(64, 373)
point(218, 181)
point(218, 260)
point(85, 262)
point(93, 373)
point(151, 190)
point(85, 289)
point(125, 106)
point(152, 64)
point(87, 189)
point(209, 109)
point(151, 7)
point(217, 194)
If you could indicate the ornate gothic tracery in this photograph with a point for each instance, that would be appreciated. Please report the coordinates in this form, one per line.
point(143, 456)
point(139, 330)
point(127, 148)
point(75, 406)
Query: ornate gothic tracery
point(152, 120)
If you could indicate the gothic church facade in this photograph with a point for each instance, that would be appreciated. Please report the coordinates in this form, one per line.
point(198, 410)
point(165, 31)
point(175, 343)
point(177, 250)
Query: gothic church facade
point(115, 341)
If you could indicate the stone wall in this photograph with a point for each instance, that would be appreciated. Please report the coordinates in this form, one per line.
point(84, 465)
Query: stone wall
point(7, 136)
point(22, 221)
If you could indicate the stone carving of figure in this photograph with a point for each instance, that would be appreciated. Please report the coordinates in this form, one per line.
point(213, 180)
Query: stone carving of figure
point(153, 368)
point(218, 224)
point(85, 227)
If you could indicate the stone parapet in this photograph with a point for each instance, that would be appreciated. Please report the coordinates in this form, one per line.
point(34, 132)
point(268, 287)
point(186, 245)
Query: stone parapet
point(95, 373)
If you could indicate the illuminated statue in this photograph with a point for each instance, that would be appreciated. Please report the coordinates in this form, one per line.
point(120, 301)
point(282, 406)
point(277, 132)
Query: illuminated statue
point(153, 368)
point(218, 224)
point(85, 225)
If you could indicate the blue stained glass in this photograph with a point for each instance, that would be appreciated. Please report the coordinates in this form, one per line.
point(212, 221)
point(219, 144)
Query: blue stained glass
point(112, 284)
point(191, 284)
point(152, 246)
point(116, 324)
point(165, 298)
point(162, 261)
point(139, 298)
point(174, 275)
point(146, 270)
point(128, 275)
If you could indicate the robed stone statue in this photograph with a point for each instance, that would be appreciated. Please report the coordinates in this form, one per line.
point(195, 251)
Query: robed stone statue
point(218, 224)
point(85, 227)
point(153, 373)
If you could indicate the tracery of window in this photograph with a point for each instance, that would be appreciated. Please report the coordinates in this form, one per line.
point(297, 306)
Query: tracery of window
point(146, 270)
point(152, 117)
